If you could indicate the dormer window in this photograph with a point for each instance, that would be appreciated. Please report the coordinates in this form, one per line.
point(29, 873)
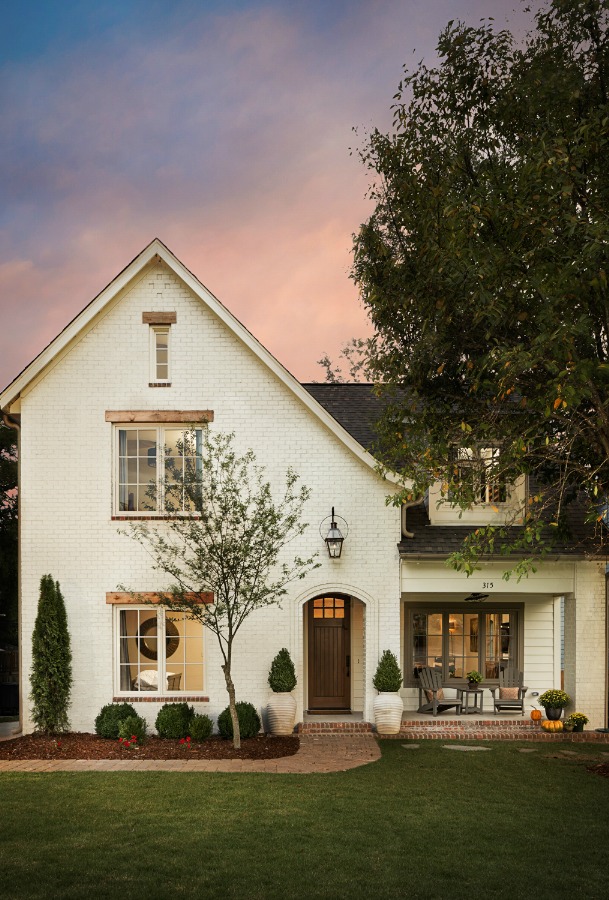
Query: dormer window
point(160, 346)
point(481, 465)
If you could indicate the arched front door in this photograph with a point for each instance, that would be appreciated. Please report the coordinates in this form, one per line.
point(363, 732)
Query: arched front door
point(329, 653)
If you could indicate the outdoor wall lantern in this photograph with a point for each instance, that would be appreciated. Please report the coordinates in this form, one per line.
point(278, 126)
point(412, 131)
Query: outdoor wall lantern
point(334, 537)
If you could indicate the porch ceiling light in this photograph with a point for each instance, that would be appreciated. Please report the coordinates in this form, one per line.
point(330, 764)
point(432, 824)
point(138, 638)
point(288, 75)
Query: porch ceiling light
point(335, 537)
point(475, 598)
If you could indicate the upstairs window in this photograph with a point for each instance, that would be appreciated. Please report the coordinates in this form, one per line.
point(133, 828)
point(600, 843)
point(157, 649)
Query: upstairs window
point(159, 468)
point(159, 354)
point(480, 467)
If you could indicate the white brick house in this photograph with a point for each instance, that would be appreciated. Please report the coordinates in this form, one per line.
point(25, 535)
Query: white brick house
point(156, 350)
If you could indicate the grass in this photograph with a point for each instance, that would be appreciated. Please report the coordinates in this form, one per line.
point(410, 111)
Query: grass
point(423, 823)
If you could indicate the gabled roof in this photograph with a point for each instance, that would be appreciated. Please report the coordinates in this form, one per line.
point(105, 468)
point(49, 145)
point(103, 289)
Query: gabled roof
point(355, 406)
point(157, 250)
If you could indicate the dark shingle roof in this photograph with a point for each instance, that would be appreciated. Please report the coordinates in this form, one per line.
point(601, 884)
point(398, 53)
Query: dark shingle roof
point(583, 539)
point(354, 406)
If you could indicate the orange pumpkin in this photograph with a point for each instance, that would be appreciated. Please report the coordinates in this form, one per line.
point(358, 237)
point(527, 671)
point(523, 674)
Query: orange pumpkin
point(536, 715)
point(551, 725)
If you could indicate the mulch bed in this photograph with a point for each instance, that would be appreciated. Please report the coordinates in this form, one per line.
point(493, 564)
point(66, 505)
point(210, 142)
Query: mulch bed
point(80, 745)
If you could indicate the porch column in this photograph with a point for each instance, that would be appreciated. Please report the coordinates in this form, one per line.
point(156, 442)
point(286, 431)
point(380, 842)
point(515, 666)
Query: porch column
point(585, 645)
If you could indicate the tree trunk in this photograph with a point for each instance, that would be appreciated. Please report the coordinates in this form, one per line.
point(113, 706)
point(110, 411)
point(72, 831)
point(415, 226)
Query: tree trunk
point(230, 687)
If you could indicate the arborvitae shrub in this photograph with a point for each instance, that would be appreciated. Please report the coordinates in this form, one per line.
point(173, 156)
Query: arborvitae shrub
point(51, 678)
point(249, 721)
point(173, 720)
point(108, 720)
point(388, 676)
point(282, 676)
point(133, 726)
point(201, 727)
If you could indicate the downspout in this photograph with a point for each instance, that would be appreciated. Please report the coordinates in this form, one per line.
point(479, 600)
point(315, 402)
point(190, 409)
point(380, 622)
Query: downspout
point(405, 507)
point(11, 423)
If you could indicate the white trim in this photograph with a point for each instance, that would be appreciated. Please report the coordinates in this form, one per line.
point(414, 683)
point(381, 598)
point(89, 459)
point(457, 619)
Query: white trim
point(156, 249)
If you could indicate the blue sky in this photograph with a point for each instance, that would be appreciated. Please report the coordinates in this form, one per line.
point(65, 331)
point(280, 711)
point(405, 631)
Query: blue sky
point(223, 128)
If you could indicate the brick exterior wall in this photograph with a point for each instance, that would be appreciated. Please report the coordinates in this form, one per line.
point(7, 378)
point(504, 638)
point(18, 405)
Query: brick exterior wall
point(67, 485)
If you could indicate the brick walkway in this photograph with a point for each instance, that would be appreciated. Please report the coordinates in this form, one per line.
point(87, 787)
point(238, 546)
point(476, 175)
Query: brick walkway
point(317, 753)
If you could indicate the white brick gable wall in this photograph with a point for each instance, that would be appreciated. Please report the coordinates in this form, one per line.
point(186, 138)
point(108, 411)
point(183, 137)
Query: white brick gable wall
point(66, 497)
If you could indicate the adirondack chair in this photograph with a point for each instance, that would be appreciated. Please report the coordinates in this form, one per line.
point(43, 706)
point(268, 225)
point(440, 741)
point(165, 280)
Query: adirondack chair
point(509, 693)
point(431, 694)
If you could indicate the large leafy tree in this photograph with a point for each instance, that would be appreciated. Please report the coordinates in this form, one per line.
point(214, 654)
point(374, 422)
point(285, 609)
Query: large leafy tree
point(231, 544)
point(484, 268)
point(8, 534)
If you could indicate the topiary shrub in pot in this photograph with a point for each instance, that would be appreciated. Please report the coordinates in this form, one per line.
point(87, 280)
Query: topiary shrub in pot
point(249, 721)
point(281, 708)
point(108, 721)
point(173, 720)
point(388, 705)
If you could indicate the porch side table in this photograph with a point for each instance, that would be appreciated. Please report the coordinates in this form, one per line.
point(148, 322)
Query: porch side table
point(477, 700)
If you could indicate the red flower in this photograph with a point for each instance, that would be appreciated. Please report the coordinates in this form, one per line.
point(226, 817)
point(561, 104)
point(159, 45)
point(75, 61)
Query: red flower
point(188, 739)
point(181, 740)
point(133, 738)
point(120, 740)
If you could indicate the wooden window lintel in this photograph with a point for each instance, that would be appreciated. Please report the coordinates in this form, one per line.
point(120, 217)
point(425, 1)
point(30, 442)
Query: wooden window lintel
point(124, 597)
point(159, 318)
point(150, 416)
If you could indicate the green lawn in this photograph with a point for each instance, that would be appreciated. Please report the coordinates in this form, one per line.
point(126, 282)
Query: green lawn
point(426, 823)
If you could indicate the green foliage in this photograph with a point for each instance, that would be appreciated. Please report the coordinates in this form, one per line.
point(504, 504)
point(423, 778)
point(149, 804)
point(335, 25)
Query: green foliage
point(474, 676)
point(133, 727)
point(173, 720)
point(484, 270)
point(554, 699)
point(282, 676)
point(109, 718)
point(8, 535)
point(388, 676)
point(249, 721)
point(233, 547)
point(201, 727)
point(51, 676)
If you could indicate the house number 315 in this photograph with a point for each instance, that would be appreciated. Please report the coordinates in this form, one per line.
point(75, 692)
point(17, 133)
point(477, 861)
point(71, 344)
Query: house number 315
point(487, 584)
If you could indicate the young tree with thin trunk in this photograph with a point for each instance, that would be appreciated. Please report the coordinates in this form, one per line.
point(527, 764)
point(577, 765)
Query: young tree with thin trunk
point(230, 542)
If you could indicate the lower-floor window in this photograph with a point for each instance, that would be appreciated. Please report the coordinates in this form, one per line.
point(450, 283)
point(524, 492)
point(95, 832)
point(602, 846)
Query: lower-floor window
point(159, 651)
point(453, 640)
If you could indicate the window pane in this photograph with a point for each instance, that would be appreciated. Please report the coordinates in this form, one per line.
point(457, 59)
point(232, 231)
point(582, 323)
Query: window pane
point(427, 641)
point(498, 644)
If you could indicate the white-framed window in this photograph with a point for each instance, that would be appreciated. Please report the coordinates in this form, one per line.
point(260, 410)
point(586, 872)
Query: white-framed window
point(158, 467)
point(160, 369)
point(481, 464)
point(158, 651)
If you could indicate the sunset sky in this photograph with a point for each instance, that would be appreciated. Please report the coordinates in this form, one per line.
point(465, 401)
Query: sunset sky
point(223, 128)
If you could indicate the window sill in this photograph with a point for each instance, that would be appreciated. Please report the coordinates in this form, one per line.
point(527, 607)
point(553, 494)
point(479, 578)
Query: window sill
point(153, 517)
point(159, 384)
point(161, 698)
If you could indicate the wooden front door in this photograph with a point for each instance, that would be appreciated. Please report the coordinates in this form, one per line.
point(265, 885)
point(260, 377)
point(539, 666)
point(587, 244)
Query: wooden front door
point(329, 653)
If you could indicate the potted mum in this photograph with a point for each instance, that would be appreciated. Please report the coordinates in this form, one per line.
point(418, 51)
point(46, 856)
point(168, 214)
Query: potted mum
point(576, 721)
point(281, 708)
point(554, 701)
point(474, 678)
point(388, 705)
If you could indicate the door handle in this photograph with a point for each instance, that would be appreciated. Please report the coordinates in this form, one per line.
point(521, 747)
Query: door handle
point(348, 666)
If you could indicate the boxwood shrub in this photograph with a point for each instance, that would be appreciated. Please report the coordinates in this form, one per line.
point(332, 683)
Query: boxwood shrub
point(249, 721)
point(133, 726)
point(107, 722)
point(201, 727)
point(173, 720)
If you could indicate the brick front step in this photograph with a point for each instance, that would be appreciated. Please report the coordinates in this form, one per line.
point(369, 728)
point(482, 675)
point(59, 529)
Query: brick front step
point(334, 728)
point(440, 729)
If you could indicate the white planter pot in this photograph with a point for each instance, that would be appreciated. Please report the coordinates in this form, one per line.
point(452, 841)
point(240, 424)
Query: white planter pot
point(388, 708)
point(281, 713)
